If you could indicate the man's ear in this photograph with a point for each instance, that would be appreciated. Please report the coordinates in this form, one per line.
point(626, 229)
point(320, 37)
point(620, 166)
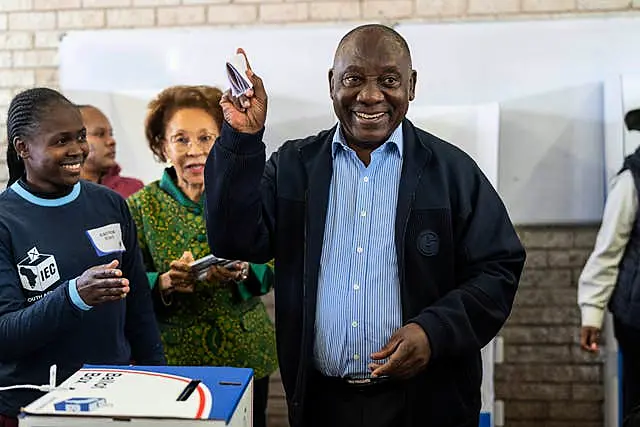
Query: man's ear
point(331, 82)
point(412, 84)
point(21, 148)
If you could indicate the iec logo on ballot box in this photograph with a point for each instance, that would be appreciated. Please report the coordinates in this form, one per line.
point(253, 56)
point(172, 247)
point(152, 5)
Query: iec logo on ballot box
point(147, 396)
point(80, 404)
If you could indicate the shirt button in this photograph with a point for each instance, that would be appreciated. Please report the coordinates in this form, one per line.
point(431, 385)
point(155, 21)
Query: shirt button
point(356, 356)
point(356, 287)
point(363, 213)
point(359, 250)
point(365, 179)
point(354, 324)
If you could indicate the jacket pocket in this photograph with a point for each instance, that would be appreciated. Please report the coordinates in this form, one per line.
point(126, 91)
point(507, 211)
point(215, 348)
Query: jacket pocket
point(429, 254)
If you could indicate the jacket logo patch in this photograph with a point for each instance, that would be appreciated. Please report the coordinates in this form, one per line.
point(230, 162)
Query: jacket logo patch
point(38, 271)
point(428, 243)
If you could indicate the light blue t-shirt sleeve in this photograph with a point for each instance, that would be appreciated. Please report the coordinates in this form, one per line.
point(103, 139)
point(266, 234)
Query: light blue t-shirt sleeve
point(75, 296)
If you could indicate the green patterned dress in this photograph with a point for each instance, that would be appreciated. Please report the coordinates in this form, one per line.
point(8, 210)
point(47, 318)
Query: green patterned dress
point(217, 325)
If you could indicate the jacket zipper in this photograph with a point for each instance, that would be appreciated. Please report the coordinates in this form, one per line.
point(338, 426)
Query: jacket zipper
point(301, 368)
point(401, 262)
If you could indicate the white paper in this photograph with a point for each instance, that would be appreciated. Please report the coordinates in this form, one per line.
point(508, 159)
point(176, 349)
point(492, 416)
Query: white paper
point(237, 74)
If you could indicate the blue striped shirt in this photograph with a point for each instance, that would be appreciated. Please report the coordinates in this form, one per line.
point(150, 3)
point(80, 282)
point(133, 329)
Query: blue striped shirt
point(359, 306)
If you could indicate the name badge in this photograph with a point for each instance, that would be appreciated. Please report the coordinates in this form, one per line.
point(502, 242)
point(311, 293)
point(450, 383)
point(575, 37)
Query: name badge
point(107, 239)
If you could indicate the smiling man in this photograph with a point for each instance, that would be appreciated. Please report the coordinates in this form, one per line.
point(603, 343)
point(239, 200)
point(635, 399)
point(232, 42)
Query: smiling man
point(101, 166)
point(395, 259)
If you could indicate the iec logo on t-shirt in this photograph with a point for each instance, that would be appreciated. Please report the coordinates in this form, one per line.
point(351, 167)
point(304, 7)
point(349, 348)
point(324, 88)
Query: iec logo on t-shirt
point(38, 271)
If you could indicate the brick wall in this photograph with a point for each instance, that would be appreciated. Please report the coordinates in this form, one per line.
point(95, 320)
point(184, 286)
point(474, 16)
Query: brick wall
point(545, 380)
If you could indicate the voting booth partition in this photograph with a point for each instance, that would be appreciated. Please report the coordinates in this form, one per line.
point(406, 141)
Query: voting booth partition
point(146, 396)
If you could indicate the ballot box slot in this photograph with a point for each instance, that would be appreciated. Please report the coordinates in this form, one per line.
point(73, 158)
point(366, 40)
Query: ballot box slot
point(231, 383)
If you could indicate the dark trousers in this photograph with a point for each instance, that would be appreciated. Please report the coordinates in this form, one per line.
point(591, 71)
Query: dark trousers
point(8, 421)
point(629, 344)
point(260, 399)
point(331, 402)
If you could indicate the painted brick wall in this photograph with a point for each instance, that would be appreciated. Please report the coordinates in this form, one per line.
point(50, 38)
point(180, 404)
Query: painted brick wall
point(545, 381)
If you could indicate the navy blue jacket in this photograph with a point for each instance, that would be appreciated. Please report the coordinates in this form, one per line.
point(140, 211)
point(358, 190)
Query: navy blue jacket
point(458, 254)
point(625, 300)
point(45, 243)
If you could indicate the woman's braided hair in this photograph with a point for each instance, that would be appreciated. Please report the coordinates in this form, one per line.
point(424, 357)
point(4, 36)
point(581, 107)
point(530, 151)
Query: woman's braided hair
point(26, 112)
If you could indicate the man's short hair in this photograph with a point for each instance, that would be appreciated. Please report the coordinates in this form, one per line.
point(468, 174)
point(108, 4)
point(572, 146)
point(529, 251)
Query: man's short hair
point(388, 31)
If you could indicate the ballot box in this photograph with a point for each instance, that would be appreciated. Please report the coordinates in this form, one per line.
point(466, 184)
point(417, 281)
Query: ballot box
point(145, 396)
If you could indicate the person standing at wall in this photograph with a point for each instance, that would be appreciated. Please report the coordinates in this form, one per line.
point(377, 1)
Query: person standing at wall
point(610, 276)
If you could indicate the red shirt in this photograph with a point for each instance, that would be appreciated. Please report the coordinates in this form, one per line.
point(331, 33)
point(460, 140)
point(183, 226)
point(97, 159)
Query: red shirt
point(120, 184)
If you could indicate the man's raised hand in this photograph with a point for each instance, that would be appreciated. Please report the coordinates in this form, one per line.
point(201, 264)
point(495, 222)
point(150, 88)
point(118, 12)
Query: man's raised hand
point(246, 113)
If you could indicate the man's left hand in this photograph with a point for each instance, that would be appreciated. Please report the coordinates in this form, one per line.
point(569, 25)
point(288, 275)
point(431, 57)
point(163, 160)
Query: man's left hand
point(408, 351)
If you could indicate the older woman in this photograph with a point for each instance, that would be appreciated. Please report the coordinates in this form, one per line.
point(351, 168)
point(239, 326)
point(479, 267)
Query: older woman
point(220, 320)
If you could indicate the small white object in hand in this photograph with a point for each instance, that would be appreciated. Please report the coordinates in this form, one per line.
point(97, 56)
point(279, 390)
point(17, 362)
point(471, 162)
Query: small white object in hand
point(237, 74)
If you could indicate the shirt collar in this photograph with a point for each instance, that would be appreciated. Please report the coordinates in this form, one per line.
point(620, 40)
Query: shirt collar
point(168, 184)
point(396, 138)
point(47, 202)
